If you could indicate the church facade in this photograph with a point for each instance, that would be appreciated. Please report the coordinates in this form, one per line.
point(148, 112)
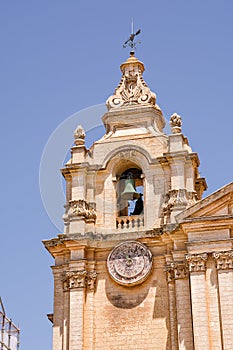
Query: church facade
point(144, 262)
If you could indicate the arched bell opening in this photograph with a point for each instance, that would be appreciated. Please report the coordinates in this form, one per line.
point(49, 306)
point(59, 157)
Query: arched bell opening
point(130, 198)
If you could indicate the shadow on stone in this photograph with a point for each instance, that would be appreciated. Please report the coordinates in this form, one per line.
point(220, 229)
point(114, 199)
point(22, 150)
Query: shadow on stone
point(123, 298)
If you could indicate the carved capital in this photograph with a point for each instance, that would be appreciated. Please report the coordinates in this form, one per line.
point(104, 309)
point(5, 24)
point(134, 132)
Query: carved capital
point(197, 262)
point(80, 279)
point(91, 280)
point(75, 279)
point(81, 208)
point(176, 270)
point(224, 260)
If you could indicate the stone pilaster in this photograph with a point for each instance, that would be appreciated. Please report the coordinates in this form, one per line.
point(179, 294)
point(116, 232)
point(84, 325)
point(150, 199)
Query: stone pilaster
point(172, 307)
point(180, 306)
point(58, 309)
point(197, 268)
point(173, 316)
point(79, 184)
point(77, 283)
point(224, 265)
point(213, 305)
point(66, 320)
point(89, 315)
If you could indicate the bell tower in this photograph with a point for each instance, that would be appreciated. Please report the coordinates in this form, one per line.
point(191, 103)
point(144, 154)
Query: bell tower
point(113, 262)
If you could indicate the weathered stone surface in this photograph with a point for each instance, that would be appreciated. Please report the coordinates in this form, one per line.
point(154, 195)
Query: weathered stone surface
point(184, 300)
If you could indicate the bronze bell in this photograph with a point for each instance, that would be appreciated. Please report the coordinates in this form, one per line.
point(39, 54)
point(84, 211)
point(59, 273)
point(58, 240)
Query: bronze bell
point(129, 192)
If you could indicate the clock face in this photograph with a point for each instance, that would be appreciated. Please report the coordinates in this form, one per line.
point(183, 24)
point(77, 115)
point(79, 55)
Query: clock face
point(129, 263)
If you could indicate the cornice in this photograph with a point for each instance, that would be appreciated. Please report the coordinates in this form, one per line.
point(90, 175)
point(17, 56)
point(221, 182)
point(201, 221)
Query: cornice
point(207, 223)
point(214, 197)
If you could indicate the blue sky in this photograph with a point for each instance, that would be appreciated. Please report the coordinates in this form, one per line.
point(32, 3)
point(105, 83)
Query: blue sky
point(58, 57)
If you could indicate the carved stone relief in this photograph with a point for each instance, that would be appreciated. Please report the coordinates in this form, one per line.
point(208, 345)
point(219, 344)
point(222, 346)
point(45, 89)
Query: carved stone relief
point(129, 263)
point(91, 280)
point(132, 89)
point(80, 279)
point(178, 198)
point(127, 154)
point(197, 262)
point(176, 270)
point(80, 208)
point(224, 260)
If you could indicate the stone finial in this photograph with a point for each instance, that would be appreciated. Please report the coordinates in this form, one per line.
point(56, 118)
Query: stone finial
point(132, 89)
point(175, 123)
point(79, 135)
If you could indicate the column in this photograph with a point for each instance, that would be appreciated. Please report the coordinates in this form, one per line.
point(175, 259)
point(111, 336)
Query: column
point(224, 265)
point(172, 307)
point(213, 306)
point(66, 320)
point(80, 286)
point(89, 312)
point(197, 267)
point(57, 308)
point(76, 283)
point(183, 319)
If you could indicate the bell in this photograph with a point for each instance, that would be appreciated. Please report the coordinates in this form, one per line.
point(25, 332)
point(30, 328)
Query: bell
point(129, 192)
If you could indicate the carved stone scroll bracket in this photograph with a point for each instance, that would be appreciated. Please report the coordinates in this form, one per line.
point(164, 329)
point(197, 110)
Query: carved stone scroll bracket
point(191, 198)
point(197, 262)
point(178, 198)
point(170, 273)
point(80, 279)
point(80, 208)
point(132, 89)
point(176, 270)
point(224, 260)
point(91, 280)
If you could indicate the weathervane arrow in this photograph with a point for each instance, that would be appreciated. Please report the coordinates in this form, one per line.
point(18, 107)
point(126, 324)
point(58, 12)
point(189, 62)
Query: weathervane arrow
point(130, 41)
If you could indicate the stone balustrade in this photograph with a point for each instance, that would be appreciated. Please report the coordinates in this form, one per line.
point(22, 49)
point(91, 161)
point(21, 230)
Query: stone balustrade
point(130, 222)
